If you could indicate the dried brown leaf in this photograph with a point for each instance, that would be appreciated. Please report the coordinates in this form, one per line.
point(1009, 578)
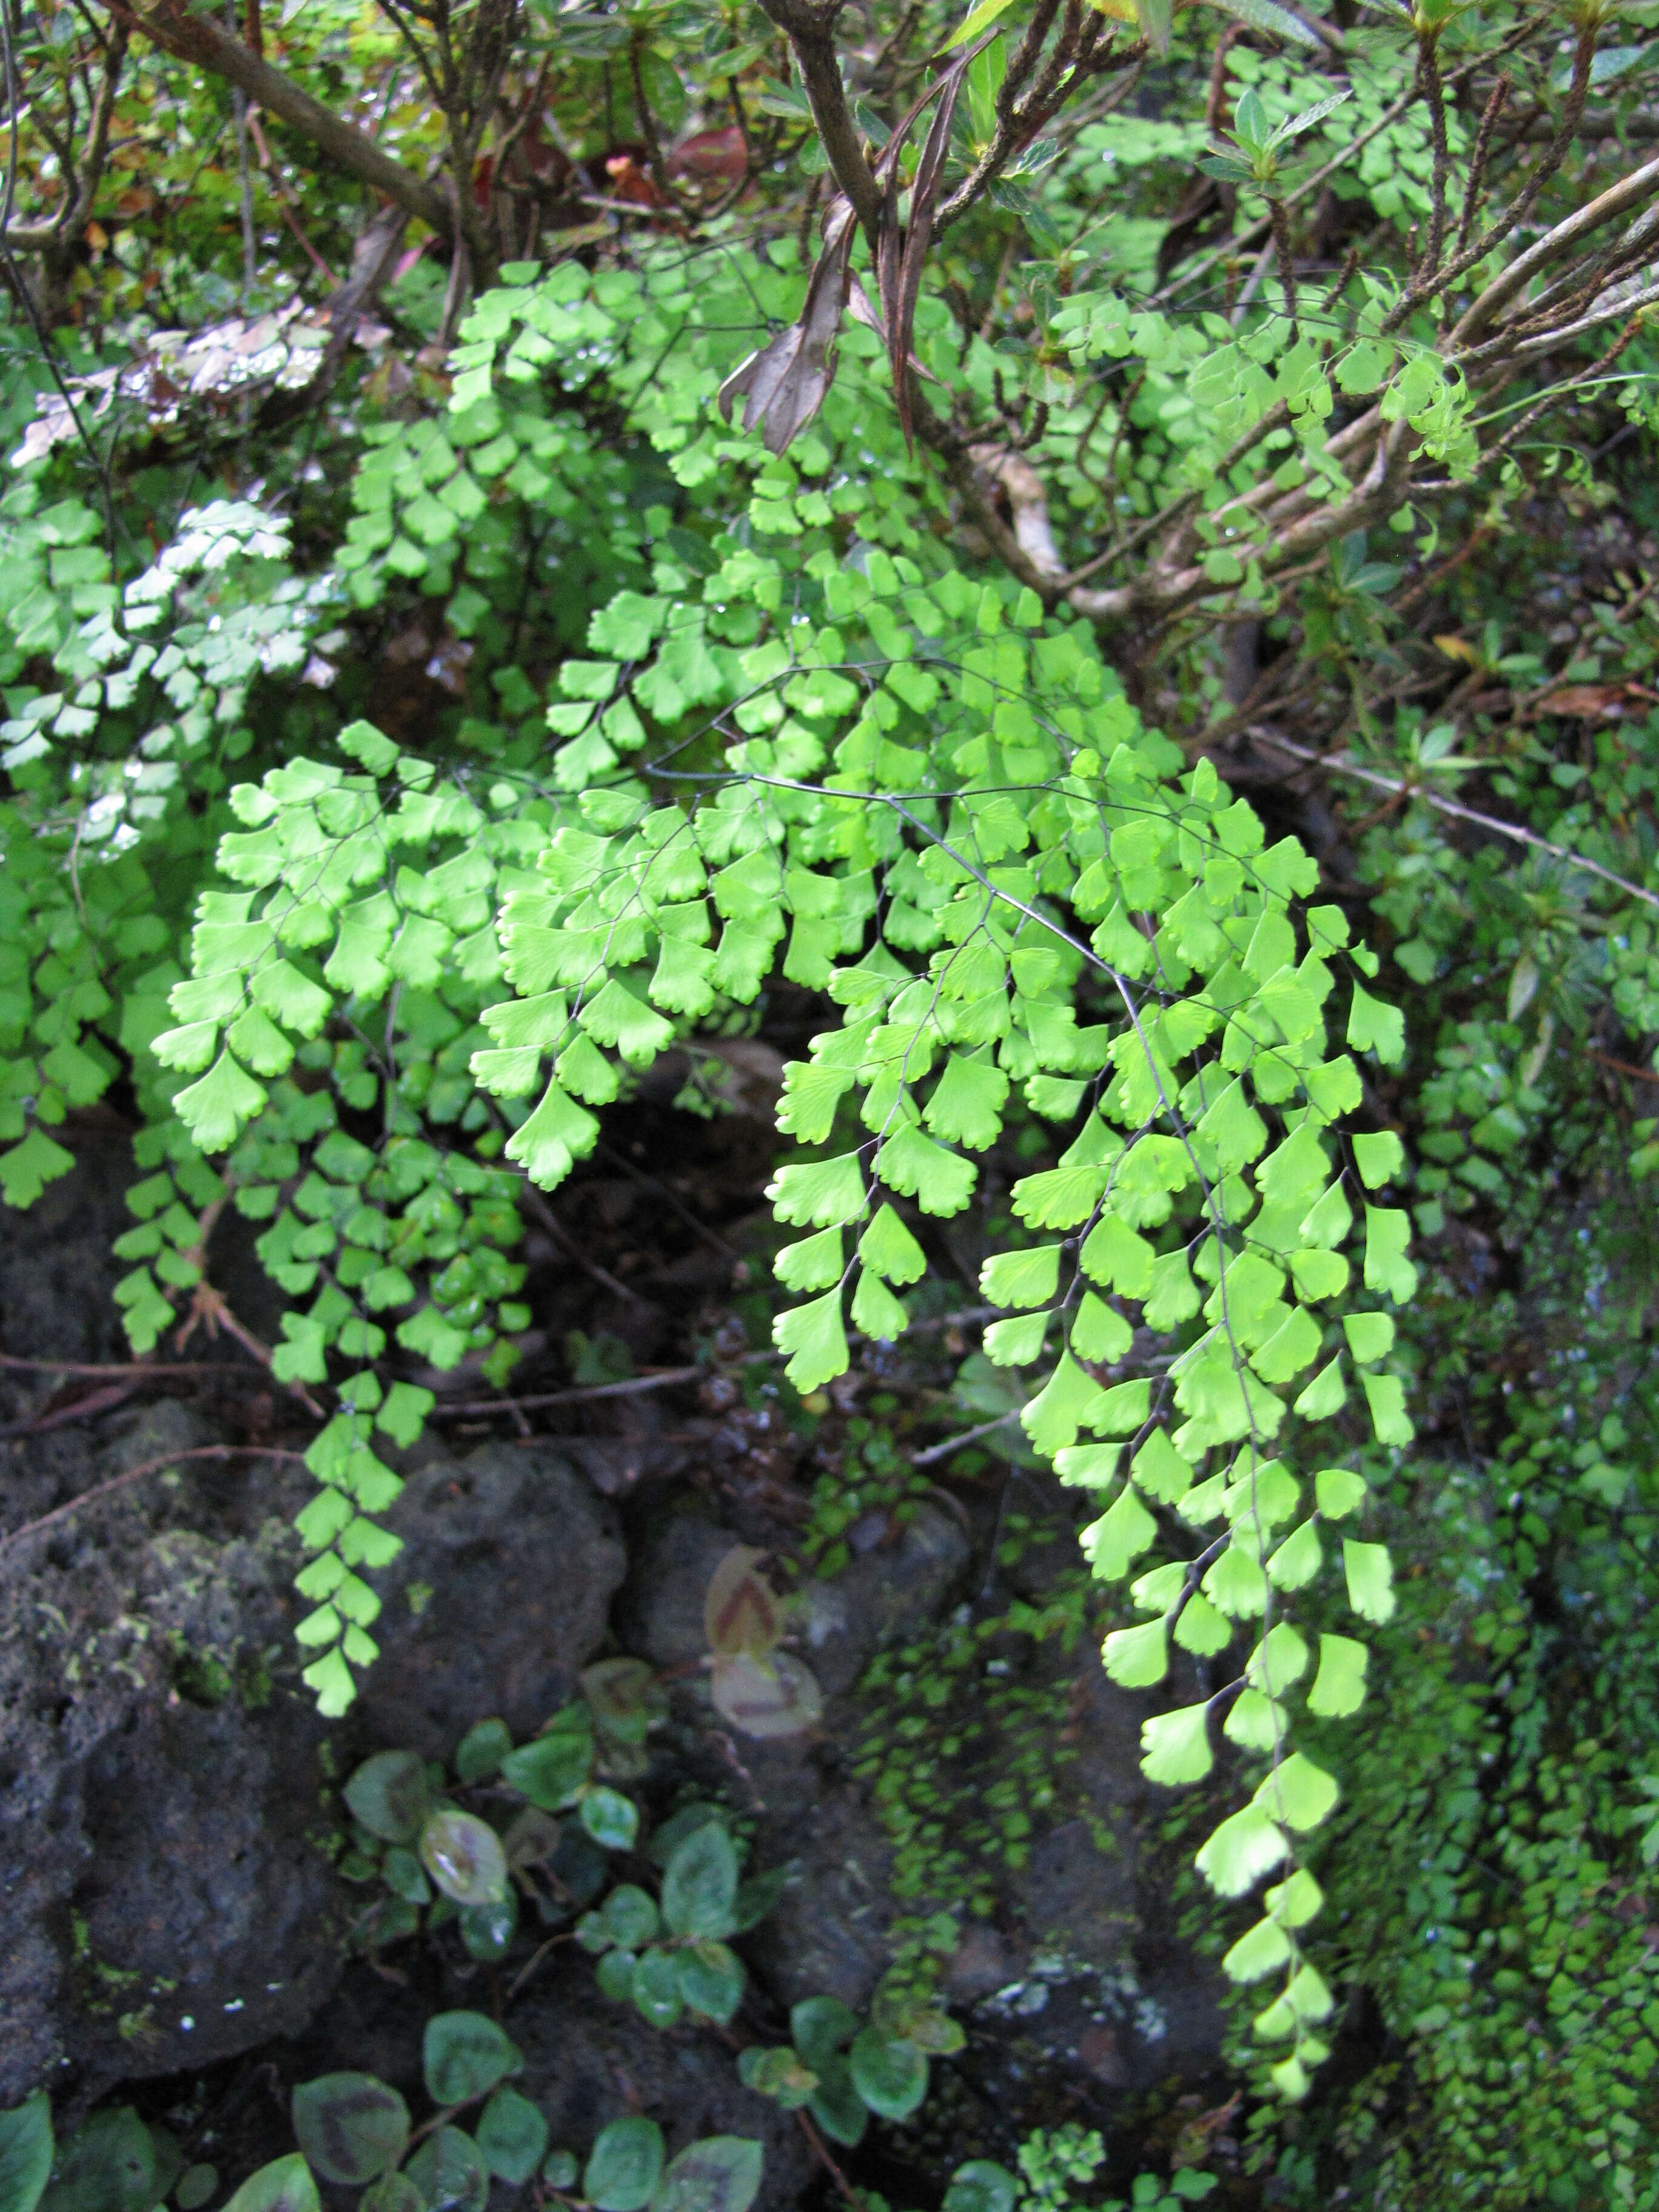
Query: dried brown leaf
point(918, 238)
point(783, 385)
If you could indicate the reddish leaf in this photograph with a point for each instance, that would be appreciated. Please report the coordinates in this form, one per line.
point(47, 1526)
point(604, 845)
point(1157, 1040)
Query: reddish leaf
point(630, 182)
point(710, 154)
point(741, 1613)
point(772, 1697)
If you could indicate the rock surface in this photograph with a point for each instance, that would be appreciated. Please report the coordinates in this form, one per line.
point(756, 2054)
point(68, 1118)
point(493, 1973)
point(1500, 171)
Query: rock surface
point(163, 1900)
point(881, 1597)
point(167, 1898)
point(167, 1793)
point(587, 2062)
point(499, 1596)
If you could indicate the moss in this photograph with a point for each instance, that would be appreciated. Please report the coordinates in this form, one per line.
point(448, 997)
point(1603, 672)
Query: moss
point(200, 1678)
point(254, 1681)
point(966, 1762)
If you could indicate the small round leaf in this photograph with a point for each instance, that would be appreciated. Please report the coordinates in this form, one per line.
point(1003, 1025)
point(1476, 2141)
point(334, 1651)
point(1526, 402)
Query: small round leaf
point(552, 1767)
point(400, 1871)
point(610, 1818)
point(284, 2185)
point(387, 1922)
point(512, 2136)
point(480, 1752)
point(626, 2161)
point(195, 2186)
point(389, 1795)
point(392, 2192)
point(26, 2152)
point(530, 1838)
point(464, 2055)
point(981, 2185)
point(464, 1857)
point(625, 1698)
point(721, 2173)
point(615, 1976)
point(107, 2166)
point(487, 1930)
point(449, 2173)
point(701, 1885)
point(628, 1917)
point(561, 2170)
point(819, 2026)
point(351, 2127)
point(656, 1988)
point(835, 2105)
point(777, 1695)
point(741, 1612)
point(780, 2074)
point(169, 2162)
point(711, 1980)
point(889, 2073)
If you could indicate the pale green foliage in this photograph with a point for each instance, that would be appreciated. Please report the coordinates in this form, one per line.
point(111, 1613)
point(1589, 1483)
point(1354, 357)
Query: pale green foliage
point(924, 799)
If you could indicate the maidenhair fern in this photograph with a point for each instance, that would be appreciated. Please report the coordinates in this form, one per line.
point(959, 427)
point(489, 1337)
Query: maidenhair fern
point(920, 797)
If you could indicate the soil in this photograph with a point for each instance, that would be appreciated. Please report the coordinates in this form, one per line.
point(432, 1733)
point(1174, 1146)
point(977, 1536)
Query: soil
point(173, 1923)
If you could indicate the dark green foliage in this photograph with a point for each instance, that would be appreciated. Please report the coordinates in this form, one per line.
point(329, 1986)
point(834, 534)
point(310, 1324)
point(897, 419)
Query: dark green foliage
point(350, 2127)
point(26, 2154)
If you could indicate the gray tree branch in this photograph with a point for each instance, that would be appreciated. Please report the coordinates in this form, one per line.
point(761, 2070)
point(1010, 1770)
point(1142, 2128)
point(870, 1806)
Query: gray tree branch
point(202, 42)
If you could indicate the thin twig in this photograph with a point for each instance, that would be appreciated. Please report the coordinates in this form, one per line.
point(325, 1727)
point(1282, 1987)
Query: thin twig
point(1624, 1066)
point(535, 1959)
point(821, 2151)
point(1336, 765)
point(650, 1183)
point(632, 1385)
point(630, 1388)
point(963, 1437)
point(121, 1369)
point(544, 1212)
point(136, 1473)
point(1494, 108)
point(1434, 95)
point(63, 1417)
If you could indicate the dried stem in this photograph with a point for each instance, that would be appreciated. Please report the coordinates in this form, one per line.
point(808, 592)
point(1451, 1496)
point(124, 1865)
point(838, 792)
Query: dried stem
point(137, 1475)
point(1494, 107)
point(1434, 95)
point(1338, 764)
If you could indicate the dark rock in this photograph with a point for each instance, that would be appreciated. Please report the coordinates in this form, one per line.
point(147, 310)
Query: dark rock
point(204, 1890)
point(588, 2062)
point(827, 1936)
point(56, 1268)
point(660, 1616)
point(163, 1898)
point(1077, 1893)
point(498, 1599)
point(880, 1598)
point(167, 1797)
